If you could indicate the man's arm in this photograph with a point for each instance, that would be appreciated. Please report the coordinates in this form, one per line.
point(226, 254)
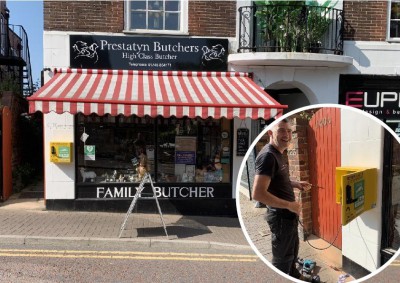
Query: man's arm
point(260, 193)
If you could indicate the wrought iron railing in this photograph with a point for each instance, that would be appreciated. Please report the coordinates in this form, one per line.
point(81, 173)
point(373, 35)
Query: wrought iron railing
point(24, 53)
point(14, 49)
point(291, 28)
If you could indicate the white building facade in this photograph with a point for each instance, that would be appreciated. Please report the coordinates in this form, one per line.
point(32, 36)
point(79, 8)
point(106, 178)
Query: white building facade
point(366, 44)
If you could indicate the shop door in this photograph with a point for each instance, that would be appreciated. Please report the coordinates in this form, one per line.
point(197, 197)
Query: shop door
point(6, 153)
point(324, 156)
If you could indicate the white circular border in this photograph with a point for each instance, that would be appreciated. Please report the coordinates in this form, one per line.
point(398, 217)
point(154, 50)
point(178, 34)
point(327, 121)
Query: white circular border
point(239, 212)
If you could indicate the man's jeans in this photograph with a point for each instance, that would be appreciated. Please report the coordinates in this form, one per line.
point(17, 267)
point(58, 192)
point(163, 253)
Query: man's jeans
point(285, 240)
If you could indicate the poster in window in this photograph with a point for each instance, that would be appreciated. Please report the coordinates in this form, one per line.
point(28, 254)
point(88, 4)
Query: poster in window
point(185, 150)
point(90, 152)
point(242, 141)
point(185, 143)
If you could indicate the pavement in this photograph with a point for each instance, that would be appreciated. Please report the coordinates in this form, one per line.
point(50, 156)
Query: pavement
point(328, 261)
point(25, 221)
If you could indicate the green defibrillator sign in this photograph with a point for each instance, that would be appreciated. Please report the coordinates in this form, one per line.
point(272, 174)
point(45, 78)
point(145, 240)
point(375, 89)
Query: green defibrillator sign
point(61, 152)
point(359, 194)
point(90, 152)
point(356, 191)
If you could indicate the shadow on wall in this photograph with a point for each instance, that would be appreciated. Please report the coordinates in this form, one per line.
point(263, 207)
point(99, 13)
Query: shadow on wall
point(350, 35)
point(293, 97)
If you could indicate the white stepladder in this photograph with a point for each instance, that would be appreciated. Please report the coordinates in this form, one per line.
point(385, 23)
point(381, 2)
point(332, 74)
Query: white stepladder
point(146, 179)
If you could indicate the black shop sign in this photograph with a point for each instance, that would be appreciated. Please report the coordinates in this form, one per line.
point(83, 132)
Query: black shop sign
point(242, 142)
point(378, 95)
point(148, 53)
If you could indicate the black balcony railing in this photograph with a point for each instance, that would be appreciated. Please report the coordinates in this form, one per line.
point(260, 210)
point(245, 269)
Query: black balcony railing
point(290, 28)
point(14, 51)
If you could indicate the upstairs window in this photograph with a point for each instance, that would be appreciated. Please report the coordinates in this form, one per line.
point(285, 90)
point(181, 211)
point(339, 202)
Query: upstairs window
point(394, 30)
point(155, 15)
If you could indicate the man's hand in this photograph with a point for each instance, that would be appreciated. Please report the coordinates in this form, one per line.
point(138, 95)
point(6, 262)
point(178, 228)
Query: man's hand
point(301, 185)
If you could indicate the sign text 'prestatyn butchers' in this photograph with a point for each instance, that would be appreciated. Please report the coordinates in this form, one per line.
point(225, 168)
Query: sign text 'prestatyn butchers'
point(148, 53)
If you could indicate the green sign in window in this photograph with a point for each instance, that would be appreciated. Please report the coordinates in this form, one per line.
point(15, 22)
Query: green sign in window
point(90, 152)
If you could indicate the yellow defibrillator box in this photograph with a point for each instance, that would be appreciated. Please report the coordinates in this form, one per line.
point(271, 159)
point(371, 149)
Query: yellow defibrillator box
point(356, 191)
point(61, 152)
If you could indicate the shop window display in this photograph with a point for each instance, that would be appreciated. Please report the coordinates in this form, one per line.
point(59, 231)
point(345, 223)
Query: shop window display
point(114, 149)
point(123, 149)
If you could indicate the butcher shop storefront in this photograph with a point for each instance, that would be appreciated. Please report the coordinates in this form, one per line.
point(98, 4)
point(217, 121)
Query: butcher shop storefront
point(104, 129)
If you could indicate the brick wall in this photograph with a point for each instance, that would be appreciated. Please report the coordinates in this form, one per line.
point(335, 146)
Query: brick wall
point(206, 18)
point(298, 168)
point(212, 18)
point(365, 20)
point(93, 15)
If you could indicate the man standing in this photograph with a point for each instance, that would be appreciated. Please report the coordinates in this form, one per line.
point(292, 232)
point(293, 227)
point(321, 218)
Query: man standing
point(273, 187)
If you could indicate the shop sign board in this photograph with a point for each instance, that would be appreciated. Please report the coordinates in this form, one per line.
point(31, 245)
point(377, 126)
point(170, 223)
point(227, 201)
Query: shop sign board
point(170, 191)
point(378, 95)
point(148, 53)
point(356, 191)
point(242, 142)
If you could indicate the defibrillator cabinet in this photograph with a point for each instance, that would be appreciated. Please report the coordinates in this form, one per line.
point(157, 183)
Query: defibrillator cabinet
point(356, 191)
point(61, 152)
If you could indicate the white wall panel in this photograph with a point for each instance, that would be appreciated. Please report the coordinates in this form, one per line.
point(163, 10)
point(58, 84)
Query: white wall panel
point(59, 177)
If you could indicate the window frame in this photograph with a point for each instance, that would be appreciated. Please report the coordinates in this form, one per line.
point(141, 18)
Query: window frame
point(184, 30)
point(389, 22)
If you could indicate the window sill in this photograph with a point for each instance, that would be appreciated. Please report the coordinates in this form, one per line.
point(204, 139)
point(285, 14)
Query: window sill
point(154, 32)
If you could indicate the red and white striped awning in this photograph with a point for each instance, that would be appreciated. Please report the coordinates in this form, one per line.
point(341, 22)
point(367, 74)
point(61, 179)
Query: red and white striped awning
point(165, 93)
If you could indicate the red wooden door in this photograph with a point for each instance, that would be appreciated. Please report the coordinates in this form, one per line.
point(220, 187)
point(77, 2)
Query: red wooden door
point(324, 156)
point(6, 152)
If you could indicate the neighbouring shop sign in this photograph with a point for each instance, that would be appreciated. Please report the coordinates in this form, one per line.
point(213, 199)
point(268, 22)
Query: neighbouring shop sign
point(378, 95)
point(175, 190)
point(242, 141)
point(148, 53)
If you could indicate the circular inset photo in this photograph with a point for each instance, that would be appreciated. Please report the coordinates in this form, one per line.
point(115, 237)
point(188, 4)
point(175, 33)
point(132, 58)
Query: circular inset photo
point(319, 194)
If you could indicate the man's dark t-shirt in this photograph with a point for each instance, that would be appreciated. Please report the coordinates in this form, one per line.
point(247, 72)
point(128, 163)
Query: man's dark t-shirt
point(270, 162)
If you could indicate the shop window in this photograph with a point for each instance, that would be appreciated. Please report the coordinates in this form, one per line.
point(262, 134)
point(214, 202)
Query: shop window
point(394, 29)
point(156, 16)
point(194, 150)
point(122, 149)
point(114, 149)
